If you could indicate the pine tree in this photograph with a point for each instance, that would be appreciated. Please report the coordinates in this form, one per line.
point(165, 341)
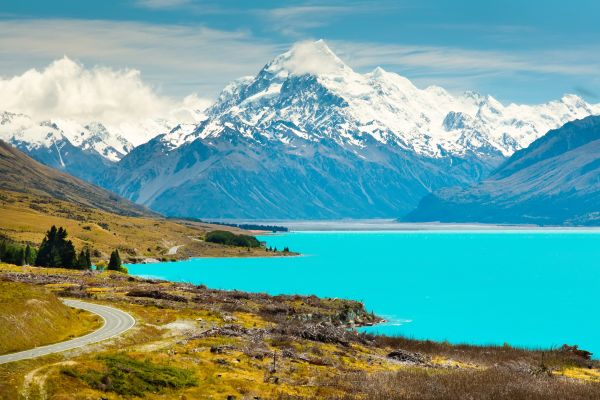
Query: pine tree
point(20, 259)
point(3, 247)
point(28, 255)
point(88, 259)
point(115, 261)
point(68, 255)
point(81, 261)
point(56, 251)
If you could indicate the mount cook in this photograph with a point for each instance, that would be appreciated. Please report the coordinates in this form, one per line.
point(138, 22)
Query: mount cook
point(307, 137)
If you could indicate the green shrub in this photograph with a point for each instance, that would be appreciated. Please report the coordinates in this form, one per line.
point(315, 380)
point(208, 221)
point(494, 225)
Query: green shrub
point(14, 253)
point(127, 376)
point(231, 239)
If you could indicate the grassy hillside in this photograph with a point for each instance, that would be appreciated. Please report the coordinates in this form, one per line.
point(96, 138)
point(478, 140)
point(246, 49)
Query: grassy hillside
point(34, 197)
point(191, 342)
point(26, 217)
point(21, 173)
point(33, 316)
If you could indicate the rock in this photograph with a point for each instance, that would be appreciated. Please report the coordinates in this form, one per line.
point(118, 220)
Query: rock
point(156, 294)
point(408, 357)
point(220, 349)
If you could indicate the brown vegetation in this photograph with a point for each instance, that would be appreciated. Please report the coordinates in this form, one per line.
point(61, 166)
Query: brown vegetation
point(33, 316)
point(243, 345)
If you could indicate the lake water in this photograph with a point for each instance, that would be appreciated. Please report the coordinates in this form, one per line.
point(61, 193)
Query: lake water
point(525, 288)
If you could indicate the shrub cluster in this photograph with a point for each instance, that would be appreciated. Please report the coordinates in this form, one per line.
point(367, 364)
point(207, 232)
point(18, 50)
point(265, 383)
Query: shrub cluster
point(17, 254)
point(231, 239)
point(127, 376)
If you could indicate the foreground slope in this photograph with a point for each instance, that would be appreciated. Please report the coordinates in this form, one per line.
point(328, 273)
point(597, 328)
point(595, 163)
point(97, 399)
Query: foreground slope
point(32, 316)
point(556, 180)
point(197, 343)
point(308, 137)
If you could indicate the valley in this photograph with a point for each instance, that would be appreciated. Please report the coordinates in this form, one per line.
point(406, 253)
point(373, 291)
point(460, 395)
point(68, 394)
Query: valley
point(301, 143)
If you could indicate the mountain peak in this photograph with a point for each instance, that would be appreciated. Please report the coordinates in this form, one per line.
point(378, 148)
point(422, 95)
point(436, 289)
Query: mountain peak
point(378, 71)
point(308, 57)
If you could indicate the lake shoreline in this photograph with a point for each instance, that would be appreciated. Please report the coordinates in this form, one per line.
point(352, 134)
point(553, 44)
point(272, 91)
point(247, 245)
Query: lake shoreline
point(481, 266)
point(391, 225)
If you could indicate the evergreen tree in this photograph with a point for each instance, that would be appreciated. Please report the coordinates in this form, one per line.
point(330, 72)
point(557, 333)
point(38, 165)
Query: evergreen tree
point(20, 259)
point(56, 251)
point(81, 260)
point(88, 259)
point(115, 261)
point(3, 247)
point(28, 255)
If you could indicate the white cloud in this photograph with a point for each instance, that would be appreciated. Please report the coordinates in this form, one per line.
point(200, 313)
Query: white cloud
point(311, 57)
point(67, 90)
point(295, 20)
point(176, 59)
point(461, 60)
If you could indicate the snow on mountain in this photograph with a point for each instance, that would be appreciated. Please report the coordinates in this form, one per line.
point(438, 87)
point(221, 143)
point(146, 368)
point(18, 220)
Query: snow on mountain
point(86, 150)
point(309, 93)
point(111, 141)
point(98, 110)
point(554, 181)
point(308, 137)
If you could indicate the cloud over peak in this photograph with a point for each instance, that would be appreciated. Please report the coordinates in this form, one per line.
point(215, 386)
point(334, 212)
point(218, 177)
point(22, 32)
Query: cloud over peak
point(310, 57)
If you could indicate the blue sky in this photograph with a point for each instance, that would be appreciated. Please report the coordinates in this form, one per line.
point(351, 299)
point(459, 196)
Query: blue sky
point(521, 51)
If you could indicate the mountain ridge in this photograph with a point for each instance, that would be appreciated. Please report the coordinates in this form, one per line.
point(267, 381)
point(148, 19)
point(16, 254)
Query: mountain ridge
point(339, 143)
point(309, 139)
point(552, 182)
point(21, 173)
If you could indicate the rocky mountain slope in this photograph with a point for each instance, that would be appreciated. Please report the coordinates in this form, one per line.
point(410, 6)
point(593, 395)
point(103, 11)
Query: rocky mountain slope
point(308, 137)
point(85, 150)
point(553, 181)
point(22, 174)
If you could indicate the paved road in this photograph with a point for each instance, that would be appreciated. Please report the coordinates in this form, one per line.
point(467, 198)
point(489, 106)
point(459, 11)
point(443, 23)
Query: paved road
point(115, 323)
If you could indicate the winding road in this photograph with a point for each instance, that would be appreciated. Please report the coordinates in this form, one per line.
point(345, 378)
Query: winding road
point(115, 323)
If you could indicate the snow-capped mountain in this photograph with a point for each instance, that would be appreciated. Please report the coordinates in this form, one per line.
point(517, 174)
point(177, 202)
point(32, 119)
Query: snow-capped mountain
point(309, 93)
point(308, 137)
point(554, 181)
point(85, 150)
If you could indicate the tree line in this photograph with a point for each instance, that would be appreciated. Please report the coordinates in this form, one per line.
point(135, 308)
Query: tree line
point(55, 251)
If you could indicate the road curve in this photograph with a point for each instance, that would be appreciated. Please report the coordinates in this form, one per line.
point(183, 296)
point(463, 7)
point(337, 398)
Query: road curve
point(115, 323)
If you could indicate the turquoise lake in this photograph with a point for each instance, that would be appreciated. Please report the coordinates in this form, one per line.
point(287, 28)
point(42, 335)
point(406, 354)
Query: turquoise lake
point(526, 288)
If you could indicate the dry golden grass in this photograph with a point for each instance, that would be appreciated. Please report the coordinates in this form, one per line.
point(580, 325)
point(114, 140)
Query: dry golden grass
point(33, 316)
point(26, 218)
point(251, 345)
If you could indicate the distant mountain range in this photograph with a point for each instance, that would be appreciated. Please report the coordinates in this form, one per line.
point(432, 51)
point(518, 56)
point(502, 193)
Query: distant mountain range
point(555, 181)
point(307, 137)
point(85, 150)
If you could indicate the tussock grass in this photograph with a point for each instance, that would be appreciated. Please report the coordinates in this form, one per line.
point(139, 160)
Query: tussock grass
point(490, 384)
point(33, 316)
